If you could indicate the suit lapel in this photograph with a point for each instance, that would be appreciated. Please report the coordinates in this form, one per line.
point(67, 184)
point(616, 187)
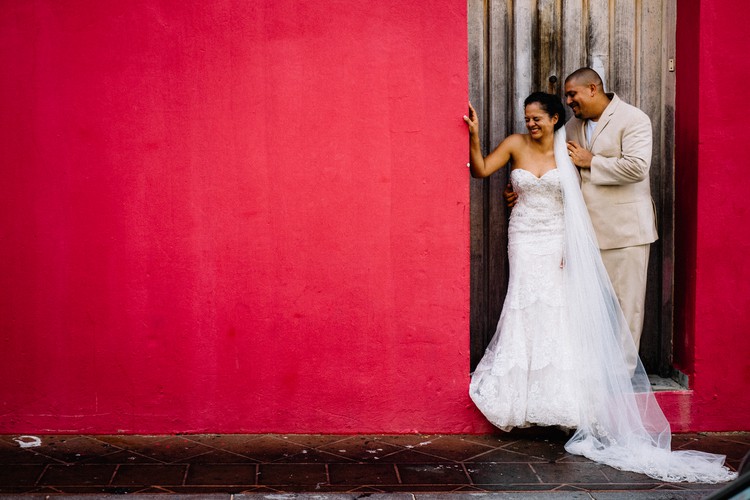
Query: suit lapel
point(603, 120)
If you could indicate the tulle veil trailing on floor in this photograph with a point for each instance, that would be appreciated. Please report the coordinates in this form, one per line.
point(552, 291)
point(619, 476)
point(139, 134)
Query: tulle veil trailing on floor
point(620, 422)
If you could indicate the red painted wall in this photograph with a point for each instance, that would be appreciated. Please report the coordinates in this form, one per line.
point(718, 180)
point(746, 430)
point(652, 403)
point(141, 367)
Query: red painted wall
point(713, 243)
point(253, 217)
point(234, 216)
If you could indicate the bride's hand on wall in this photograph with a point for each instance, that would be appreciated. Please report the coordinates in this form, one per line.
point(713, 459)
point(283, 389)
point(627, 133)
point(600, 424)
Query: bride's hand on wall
point(472, 121)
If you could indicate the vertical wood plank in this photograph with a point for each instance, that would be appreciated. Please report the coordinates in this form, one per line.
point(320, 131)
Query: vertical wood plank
point(477, 28)
point(524, 28)
point(597, 43)
point(648, 94)
point(478, 56)
point(667, 215)
point(501, 69)
point(548, 45)
point(649, 99)
point(623, 75)
point(500, 22)
point(574, 22)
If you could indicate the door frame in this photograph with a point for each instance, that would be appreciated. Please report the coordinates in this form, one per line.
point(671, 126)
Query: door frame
point(503, 36)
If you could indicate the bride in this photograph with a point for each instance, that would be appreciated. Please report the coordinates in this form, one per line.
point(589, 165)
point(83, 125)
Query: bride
point(557, 357)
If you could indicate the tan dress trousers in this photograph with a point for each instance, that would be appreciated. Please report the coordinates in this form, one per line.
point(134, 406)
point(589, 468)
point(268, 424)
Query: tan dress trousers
point(628, 269)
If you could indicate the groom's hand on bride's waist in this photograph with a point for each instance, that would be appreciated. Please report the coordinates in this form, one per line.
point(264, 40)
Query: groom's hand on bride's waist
point(511, 197)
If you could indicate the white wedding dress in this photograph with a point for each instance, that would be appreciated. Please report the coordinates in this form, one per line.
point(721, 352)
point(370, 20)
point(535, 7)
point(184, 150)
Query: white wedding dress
point(562, 348)
point(527, 375)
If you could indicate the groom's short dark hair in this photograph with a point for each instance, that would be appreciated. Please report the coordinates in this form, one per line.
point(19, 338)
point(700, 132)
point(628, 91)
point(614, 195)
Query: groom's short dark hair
point(587, 76)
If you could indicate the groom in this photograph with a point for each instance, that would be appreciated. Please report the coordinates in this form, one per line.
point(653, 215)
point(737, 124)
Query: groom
point(610, 143)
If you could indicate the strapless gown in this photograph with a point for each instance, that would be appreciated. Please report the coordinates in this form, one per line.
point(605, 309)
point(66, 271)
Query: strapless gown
point(528, 375)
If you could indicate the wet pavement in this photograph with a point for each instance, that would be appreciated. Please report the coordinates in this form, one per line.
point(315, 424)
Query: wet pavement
point(531, 463)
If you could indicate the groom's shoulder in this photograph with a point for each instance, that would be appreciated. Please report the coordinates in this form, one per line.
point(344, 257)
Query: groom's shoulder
point(627, 110)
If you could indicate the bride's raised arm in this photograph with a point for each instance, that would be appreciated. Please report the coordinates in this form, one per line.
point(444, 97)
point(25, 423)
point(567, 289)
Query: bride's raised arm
point(485, 166)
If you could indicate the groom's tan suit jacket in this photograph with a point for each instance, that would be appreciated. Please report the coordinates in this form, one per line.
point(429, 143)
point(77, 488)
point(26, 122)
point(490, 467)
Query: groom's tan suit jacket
point(617, 187)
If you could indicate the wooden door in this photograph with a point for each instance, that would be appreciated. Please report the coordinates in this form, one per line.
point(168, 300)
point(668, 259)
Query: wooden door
point(520, 46)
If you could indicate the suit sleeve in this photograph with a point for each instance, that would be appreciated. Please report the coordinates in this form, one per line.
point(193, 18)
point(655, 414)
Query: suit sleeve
point(635, 155)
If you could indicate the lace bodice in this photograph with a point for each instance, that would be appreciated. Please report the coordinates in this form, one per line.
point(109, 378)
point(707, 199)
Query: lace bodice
point(535, 240)
point(538, 215)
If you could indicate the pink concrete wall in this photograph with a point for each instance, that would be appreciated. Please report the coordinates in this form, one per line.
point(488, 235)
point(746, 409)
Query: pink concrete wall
point(713, 242)
point(234, 216)
point(253, 217)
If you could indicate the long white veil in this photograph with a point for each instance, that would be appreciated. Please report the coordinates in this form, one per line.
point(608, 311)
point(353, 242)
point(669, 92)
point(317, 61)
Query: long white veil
point(621, 424)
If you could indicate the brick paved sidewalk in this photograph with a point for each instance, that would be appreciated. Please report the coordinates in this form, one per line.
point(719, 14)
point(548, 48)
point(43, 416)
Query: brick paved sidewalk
point(530, 461)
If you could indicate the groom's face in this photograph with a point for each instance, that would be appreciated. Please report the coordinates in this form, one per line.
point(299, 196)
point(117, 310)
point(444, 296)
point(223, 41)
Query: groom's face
point(579, 97)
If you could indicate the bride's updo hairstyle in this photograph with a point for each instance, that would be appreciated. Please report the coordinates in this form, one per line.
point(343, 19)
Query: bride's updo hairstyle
point(551, 104)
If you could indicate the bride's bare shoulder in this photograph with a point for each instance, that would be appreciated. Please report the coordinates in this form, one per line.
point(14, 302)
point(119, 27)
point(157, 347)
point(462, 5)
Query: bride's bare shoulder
point(515, 141)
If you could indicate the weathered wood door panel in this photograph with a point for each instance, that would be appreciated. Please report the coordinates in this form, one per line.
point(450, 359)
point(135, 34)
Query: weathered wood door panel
point(520, 46)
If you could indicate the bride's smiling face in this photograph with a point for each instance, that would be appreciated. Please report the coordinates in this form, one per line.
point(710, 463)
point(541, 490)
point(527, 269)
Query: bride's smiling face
point(538, 122)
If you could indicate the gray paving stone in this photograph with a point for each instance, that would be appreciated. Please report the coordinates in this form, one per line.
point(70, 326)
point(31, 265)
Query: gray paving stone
point(140, 496)
point(650, 495)
point(321, 467)
point(547, 495)
point(323, 496)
